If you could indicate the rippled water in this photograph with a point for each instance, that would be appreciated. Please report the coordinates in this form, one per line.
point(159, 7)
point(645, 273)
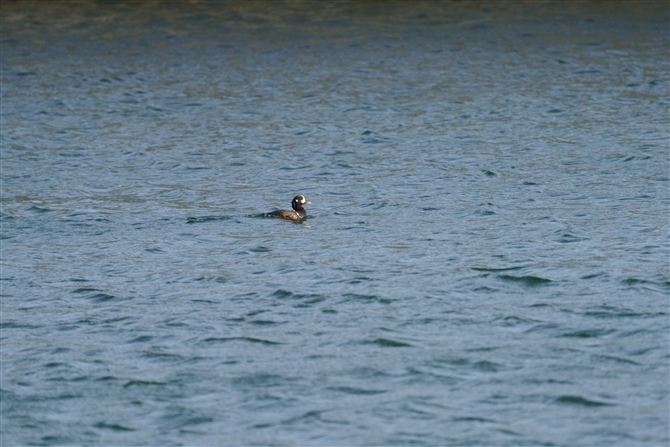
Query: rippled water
point(485, 260)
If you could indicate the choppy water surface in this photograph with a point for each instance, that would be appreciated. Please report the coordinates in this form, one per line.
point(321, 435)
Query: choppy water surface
point(485, 260)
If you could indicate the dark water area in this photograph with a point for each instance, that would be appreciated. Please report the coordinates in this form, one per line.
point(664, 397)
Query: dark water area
point(485, 259)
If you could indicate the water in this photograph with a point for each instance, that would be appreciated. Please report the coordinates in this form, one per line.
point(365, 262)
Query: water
point(485, 260)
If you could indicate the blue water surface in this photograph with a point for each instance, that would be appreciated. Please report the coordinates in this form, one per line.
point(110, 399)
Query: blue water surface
point(484, 262)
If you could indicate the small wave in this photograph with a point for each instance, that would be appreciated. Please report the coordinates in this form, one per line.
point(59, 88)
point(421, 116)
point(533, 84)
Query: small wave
point(203, 219)
point(263, 322)
point(566, 238)
point(114, 427)
point(595, 275)
point(473, 419)
point(541, 327)
point(652, 285)
point(606, 311)
point(281, 293)
point(245, 339)
point(617, 359)
point(486, 366)
point(388, 343)
point(358, 296)
point(95, 295)
point(13, 325)
point(486, 209)
point(310, 298)
point(527, 280)
point(218, 279)
point(578, 400)
point(356, 391)
point(358, 280)
point(85, 290)
point(588, 333)
point(142, 383)
point(141, 339)
point(501, 269)
point(37, 209)
point(513, 321)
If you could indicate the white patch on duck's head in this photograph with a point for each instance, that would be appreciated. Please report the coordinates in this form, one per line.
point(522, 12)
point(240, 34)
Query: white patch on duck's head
point(300, 200)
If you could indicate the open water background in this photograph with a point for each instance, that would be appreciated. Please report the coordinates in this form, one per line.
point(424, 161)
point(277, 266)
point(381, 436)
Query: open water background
point(485, 260)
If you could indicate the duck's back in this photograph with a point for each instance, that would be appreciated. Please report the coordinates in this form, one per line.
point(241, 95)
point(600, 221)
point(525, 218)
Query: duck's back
point(286, 214)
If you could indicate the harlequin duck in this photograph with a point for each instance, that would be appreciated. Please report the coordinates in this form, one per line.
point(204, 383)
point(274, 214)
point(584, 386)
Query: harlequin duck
point(297, 213)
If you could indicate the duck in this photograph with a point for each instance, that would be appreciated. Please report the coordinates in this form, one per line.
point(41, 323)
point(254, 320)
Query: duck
point(297, 213)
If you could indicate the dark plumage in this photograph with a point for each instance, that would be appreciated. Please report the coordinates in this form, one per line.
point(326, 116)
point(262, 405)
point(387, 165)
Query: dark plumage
point(297, 213)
